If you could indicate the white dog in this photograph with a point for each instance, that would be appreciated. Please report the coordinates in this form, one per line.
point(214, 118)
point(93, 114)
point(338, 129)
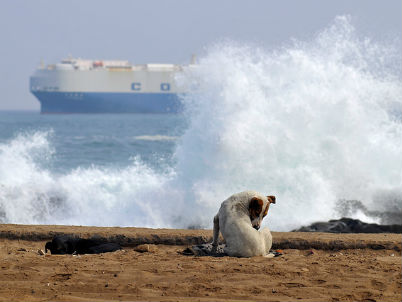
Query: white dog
point(239, 219)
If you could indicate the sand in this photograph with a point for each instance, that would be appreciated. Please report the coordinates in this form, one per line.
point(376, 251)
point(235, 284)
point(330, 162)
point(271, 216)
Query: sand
point(314, 267)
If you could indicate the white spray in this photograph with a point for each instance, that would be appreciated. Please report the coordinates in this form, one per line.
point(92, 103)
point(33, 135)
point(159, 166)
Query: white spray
point(313, 123)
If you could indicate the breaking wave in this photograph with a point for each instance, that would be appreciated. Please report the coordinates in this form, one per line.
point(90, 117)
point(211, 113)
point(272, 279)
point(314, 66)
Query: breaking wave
point(314, 123)
point(31, 193)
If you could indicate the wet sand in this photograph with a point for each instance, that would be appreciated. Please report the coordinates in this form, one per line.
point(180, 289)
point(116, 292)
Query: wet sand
point(314, 267)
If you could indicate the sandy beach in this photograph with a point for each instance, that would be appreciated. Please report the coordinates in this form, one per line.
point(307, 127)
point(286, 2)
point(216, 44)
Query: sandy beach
point(313, 267)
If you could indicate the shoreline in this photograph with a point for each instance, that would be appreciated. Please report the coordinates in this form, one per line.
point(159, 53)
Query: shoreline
point(132, 236)
point(313, 267)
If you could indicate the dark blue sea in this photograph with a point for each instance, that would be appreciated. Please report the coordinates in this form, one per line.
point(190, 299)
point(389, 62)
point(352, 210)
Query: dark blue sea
point(96, 140)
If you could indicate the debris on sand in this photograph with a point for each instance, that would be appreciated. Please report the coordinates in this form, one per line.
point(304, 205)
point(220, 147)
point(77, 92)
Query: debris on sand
point(146, 248)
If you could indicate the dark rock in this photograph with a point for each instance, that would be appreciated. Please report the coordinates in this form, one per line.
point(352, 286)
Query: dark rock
point(349, 225)
point(66, 244)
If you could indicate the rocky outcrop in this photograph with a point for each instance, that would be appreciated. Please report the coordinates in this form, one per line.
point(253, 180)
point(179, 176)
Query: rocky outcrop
point(349, 225)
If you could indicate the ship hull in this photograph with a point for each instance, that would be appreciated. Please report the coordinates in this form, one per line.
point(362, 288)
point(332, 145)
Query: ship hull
point(112, 102)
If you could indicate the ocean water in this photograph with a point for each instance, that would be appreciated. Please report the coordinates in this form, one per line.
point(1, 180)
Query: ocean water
point(318, 123)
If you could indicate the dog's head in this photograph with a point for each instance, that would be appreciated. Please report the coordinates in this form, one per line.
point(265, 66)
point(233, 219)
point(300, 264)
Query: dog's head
point(258, 209)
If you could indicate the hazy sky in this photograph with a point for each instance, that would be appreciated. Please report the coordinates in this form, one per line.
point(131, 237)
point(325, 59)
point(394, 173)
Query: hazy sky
point(166, 31)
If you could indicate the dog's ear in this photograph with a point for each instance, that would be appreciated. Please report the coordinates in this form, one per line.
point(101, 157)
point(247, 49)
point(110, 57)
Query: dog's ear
point(255, 207)
point(271, 199)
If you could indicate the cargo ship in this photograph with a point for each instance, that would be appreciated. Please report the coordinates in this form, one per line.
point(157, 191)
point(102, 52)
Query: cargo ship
point(105, 86)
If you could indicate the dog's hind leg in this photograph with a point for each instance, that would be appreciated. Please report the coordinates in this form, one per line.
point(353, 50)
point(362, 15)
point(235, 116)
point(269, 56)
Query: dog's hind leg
point(216, 234)
point(267, 238)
